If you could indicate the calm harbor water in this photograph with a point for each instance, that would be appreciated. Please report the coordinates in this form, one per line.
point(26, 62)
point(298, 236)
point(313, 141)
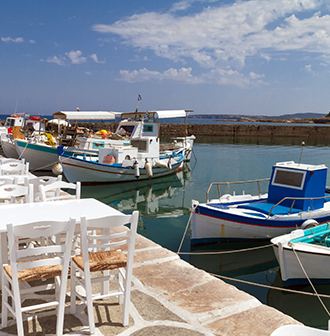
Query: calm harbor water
point(164, 208)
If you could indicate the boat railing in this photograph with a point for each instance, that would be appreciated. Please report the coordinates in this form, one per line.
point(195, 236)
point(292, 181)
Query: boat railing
point(228, 184)
point(294, 199)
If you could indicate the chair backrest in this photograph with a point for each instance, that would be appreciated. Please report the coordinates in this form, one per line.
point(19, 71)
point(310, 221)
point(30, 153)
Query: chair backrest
point(7, 179)
point(44, 254)
point(11, 160)
point(14, 168)
point(41, 180)
point(100, 234)
point(14, 193)
point(59, 194)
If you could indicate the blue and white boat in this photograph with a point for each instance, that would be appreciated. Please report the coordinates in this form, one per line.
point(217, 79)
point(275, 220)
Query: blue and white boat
point(296, 193)
point(303, 255)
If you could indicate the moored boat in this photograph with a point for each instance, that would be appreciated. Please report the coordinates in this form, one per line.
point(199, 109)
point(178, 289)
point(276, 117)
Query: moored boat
point(296, 193)
point(304, 255)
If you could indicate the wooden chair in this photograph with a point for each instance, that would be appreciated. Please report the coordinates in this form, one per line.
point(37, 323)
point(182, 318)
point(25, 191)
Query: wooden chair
point(100, 254)
point(41, 180)
point(59, 193)
point(14, 168)
point(14, 193)
point(37, 263)
point(4, 180)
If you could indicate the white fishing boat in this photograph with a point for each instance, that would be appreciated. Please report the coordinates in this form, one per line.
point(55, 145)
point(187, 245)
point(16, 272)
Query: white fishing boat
point(14, 125)
point(120, 163)
point(129, 129)
point(296, 193)
point(304, 254)
point(41, 149)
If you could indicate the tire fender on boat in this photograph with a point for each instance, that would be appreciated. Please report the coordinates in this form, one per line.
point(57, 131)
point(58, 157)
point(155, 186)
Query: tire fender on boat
point(57, 169)
point(308, 224)
point(169, 164)
point(136, 169)
point(148, 168)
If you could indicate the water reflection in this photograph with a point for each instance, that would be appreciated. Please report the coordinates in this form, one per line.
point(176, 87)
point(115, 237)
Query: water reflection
point(252, 260)
point(144, 195)
point(304, 308)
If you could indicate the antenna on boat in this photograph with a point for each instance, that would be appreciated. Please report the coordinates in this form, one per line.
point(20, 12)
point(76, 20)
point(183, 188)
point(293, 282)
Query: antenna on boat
point(302, 148)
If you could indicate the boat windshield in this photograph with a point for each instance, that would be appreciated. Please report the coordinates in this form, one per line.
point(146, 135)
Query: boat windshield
point(289, 178)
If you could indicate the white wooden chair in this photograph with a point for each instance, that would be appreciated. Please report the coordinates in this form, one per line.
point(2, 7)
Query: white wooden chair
point(41, 180)
point(14, 193)
point(100, 254)
point(37, 263)
point(14, 168)
point(59, 193)
point(7, 179)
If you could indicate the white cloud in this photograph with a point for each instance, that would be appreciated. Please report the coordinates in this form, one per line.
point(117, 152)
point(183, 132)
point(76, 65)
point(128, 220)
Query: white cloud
point(75, 57)
point(95, 59)
point(9, 39)
point(32, 41)
point(57, 60)
point(222, 37)
point(308, 69)
point(183, 75)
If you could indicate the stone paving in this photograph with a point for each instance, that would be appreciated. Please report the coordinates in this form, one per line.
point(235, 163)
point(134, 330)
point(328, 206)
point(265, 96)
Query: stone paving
point(169, 297)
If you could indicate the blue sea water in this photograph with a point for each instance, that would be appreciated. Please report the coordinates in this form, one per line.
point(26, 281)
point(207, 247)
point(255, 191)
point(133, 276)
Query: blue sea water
point(164, 208)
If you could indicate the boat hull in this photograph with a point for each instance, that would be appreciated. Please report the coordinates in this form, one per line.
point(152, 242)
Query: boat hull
point(304, 252)
point(214, 225)
point(9, 148)
point(76, 169)
point(40, 156)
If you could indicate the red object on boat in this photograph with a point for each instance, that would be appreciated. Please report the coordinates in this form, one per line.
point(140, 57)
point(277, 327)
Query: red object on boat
point(34, 118)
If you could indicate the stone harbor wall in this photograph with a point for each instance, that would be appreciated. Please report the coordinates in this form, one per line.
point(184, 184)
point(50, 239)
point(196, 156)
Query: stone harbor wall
point(223, 130)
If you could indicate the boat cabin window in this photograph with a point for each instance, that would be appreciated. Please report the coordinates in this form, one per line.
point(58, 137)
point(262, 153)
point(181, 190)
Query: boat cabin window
point(10, 122)
point(126, 129)
point(289, 178)
point(140, 144)
point(148, 128)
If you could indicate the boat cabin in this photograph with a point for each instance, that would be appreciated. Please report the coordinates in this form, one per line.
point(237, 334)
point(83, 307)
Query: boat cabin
point(290, 179)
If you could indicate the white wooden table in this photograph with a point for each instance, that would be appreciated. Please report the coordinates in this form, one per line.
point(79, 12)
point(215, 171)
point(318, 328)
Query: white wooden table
point(58, 210)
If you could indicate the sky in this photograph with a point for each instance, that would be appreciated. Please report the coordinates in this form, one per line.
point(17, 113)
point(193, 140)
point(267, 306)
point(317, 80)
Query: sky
point(252, 57)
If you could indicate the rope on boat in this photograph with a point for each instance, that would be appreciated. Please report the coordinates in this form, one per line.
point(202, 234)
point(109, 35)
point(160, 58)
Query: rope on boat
point(224, 252)
point(310, 282)
point(271, 287)
point(185, 231)
point(20, 156)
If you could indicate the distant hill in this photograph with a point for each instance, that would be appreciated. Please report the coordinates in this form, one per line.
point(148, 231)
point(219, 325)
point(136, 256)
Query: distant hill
point(305, 115)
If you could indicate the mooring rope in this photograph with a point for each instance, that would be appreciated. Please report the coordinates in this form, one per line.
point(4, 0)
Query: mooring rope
point(227, 252)
point(307, 277)
point(270, 287)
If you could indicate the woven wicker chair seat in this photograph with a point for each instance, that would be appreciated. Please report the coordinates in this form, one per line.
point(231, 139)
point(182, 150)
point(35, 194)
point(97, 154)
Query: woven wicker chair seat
point(37, 273)
point(102, 260)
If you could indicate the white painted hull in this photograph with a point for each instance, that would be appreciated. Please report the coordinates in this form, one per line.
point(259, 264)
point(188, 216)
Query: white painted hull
point(208, 229)
point(9, 148)
point(91, 172)
point(304, 252)
point(315, 260)
point(40, 156)
point(209, 225)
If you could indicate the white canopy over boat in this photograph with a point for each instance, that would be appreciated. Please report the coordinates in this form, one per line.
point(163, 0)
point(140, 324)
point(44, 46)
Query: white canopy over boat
point(156, 114)
point(85, 115)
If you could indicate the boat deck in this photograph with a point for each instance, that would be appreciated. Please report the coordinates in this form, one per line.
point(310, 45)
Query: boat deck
point(169, 297)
